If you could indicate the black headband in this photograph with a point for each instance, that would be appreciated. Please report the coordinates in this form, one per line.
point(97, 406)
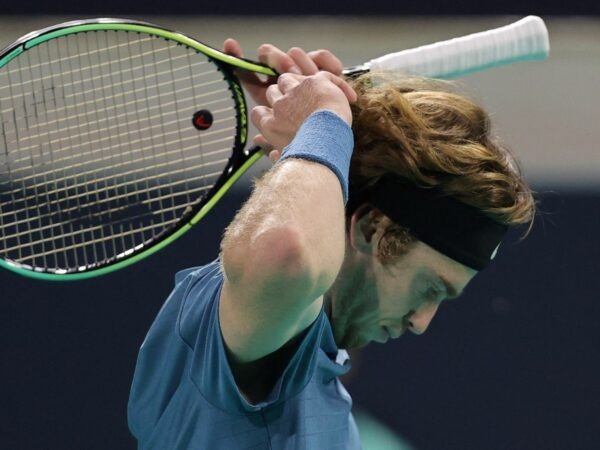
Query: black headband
point(453, 228)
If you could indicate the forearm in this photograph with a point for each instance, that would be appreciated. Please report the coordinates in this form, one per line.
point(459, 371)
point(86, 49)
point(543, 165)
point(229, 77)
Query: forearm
point(286, 246)
point(291, 227)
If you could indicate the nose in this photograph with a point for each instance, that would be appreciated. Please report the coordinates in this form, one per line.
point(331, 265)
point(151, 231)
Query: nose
point(422, 317)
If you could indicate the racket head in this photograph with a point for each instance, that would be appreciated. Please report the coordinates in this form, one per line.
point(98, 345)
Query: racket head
point(112, 145)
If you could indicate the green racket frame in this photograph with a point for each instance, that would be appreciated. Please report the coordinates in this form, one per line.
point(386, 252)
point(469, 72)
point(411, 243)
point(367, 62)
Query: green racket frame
point(240, 161)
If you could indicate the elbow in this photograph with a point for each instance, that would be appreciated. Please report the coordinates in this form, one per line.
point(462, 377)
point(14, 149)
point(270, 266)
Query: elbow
point(279, 256)
point(285, 253)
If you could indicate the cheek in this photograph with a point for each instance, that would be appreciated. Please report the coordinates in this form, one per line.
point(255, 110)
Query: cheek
point(360, 304)
point(364, 295)
point(399, 296)
point(369, 305)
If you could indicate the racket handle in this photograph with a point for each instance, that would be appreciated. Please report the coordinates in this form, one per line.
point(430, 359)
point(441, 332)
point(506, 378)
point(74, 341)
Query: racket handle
point(524, 40)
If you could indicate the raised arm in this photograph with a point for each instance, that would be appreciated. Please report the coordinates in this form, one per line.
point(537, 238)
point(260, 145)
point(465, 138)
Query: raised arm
point(284, 248)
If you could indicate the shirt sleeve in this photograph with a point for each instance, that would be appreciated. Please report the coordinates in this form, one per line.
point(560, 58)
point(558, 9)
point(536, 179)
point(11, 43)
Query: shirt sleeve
point(161, 362)
point(185, 347)
point(210, 370)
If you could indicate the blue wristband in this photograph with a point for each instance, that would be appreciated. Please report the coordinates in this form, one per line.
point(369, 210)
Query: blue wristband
point(325, 138)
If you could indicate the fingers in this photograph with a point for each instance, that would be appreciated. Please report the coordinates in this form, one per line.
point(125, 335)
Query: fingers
point(327, 61)
point(293, 62)
point(266, 148)
point(272, 94)
point(260, 140)
point(275, 133)
point(252, 82)
point(277, 59)
point(288, 81)
point(233, 48)
point(293, 98)
point(274, 155)
point(259, 115)
point(299, 62)
point(285, 83)
point(303, 60)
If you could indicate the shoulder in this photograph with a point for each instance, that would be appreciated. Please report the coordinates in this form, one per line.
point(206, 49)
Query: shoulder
point(168, 349)
point(199, 289)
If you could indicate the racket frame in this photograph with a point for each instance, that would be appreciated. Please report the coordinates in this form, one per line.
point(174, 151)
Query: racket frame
point(241, 158)
point(239, 162)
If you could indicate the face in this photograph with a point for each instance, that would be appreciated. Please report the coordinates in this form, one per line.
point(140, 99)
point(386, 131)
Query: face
point(371, 301)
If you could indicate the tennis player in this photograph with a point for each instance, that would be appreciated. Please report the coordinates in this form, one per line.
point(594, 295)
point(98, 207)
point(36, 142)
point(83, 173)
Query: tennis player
point(388, 195)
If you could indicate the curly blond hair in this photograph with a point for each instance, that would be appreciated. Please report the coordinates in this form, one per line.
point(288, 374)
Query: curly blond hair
point(426, 132)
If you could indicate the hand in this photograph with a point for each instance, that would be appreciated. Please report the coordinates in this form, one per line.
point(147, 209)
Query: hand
point(295, 61)
point(292, 100)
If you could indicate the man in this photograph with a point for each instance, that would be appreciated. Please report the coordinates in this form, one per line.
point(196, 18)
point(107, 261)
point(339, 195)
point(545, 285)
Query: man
point(324, 256)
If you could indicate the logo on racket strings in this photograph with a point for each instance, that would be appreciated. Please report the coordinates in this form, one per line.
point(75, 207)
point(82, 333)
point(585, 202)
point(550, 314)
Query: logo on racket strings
point(202, 119)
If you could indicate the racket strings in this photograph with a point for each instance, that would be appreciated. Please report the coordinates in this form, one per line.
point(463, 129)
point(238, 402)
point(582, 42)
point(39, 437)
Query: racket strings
point(72, 163)
point(87, 176)
point(109, 109)
point(75, 84)
point(97, 201)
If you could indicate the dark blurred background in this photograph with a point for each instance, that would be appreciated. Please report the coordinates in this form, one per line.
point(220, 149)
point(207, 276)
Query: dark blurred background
point(513, 365)
point(306, 7)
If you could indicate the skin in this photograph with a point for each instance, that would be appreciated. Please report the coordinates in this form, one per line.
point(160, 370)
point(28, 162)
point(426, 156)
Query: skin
point(372, 302)
point(280, 255)
point(284, 259)
point(294, 61)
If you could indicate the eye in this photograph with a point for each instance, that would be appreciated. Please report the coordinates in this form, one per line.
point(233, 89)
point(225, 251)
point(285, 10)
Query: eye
point(433, 292)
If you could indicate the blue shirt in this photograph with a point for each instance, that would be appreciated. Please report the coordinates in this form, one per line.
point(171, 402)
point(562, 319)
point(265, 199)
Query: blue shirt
point(184, 395)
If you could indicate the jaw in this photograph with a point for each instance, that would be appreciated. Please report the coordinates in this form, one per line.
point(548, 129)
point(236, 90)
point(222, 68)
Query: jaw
point(351, 303)
point(351, 307)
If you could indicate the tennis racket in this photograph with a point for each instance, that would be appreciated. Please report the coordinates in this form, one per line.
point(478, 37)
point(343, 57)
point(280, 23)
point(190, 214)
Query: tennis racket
point(118, 136)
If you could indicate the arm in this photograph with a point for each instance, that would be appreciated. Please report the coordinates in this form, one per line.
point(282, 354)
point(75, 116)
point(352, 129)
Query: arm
point(284, 248)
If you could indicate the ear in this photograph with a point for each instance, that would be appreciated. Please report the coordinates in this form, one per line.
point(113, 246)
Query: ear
point(363, 225)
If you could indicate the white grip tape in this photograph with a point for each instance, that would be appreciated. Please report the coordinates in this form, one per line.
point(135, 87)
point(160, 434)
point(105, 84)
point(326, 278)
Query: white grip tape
point(524, 40)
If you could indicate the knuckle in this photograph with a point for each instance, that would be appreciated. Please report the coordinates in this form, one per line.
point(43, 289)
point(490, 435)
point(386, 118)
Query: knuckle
point(285, 78)
point(258, 115)
point(279, 106)
point(264, 121)
point(287, 82)
point(315, 82)
point(272, 89)
point(290, 79)
point(264, 126)
point(322, 75)
point(308, 82)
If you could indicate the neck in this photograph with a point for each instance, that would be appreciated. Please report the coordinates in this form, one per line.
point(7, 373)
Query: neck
point(342, 299)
